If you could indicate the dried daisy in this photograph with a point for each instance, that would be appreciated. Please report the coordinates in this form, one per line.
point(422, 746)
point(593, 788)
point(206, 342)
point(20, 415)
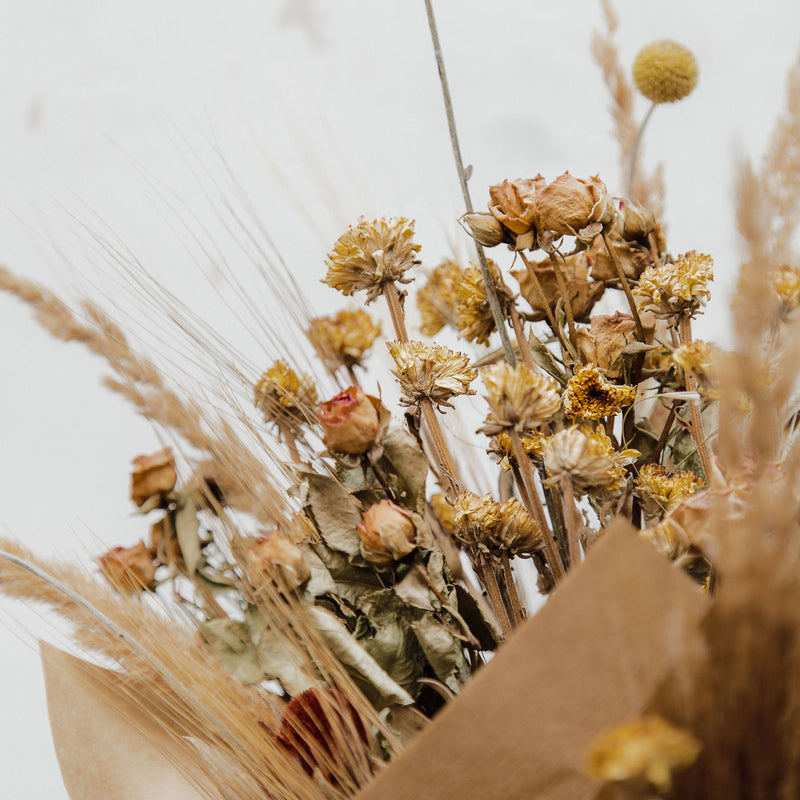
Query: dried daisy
point(518, 397)
point(477, 518)
point(786, 283)
point(502, 447)
point(680, 287)
point(436, 299)
point(475, 320)
point(343, 339)
point(665, 71)
point(285, 398)
point(648, 749)
point(587, 457)
point(590, 395)
point(662, 490)
point(517, 533)
point(430, 371)
point(371, 254)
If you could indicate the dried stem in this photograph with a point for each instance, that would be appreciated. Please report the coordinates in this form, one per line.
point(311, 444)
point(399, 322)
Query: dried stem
point(488, 579)
point(625, 288)
point(568, 498)
point(443, 456)
point(396, 310)
point(530, 499)
point(524, 350)
point(635, 150)
point(562, 287)
point(517, 609)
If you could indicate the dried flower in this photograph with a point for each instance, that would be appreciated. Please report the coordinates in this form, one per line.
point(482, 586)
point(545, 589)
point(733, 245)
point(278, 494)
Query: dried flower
point(274, 557)
point(665, 71)
point(371, 254)
point(662, 490)
point(164, 544)
point(387, 532)
point(430, 371)
point(590, 395)
point(634, 221)
point(634, 257)
point(518, 397)
point(153, 475)
point(343, 339)
point(284, 397)
point(502, 447)
point(517, 533)
point(583, 292)
point(436, 299)
point(352, 421)
point(512, 204)
point(588, 457)
point(484, 228)
point(697, 357)
point(648, 748)
point(475, 319)
point(478, 518)
point(603, 342)
point(129, 569)
point(570, 206)
point(680, 287)
point(786, 283)
point(444, 513)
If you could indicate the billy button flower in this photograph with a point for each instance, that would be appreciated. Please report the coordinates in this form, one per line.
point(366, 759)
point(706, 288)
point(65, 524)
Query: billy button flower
point(285, 397)
point(352, 421)
point(665, 71)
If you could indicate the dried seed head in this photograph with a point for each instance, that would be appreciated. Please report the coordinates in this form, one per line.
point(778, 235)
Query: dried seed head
point(590, 395)
point(665, 71)
point(502, 447)
point(371, 254)
point(285, 398)
point(662, 490)
point(517, 533)
point(588, 457)
point(436, 299)
point(786, 283)
point(648, 748)
point(518, 397)
point(680, 287)
point(343, 339)
point(432, 371)
point(475, 319)
point(570, 206)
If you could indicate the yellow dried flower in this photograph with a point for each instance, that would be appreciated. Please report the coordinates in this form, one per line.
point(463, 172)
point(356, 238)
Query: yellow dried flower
point(343, 339)
point(432, 371)
point(517, 534)
point(475, 319)
point(518, 397)
point(697, 357)
point(477, 518)
point(444, 513)
point(371, 254)
point(662, 490)
point(436, 300)
point(648, 748)
point(665, 71)
point(284, 397)
point(680, 287)
point(502, 448)
point(590, 395)
point(786, 283)
point(588, 457)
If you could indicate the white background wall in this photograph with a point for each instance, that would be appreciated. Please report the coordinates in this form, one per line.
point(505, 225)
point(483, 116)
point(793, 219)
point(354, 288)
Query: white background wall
point(121, 118)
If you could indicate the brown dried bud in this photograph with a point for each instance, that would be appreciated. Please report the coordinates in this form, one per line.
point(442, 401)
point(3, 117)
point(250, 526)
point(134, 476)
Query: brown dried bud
point(129, 569)
point(485, 228)
point(634, 221)
point(275, 555)
point(569, 205)
point(387, 532)
point(352, 421)
point(607, 337)
point(153, 475)
point(512, 203)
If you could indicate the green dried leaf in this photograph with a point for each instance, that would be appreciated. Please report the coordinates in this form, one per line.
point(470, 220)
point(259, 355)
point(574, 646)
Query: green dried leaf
point(443, 650)
point(187, 527)
point(335, 513)
point(414, 591)
point(409, 464)
point(349, 580)
point(229, 641)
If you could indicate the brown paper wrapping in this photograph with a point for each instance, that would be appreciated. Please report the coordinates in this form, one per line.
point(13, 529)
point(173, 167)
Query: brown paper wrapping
point(588, 660)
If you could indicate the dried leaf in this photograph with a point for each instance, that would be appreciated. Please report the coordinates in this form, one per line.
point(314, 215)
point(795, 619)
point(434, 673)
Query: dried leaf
point(442, 649)
point(481, 628)
point(229, 641)
point(414, 591)
point(409, 464)
point(187, 529)
point(335, 513)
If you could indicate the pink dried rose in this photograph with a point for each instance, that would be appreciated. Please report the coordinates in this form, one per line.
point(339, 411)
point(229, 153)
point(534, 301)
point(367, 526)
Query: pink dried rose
point(387, 532)
point(129, 569)
point(275, 556)
point(352, 421)
point(152, 475)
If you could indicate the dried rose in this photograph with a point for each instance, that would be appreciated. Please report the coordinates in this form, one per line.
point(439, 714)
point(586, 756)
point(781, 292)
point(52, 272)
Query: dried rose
point(569, 205)
point(275, 555)
point(352, 421)
point(607, 337)
point(164, 544)
point(152, 475)
point(634, 221)
point(387, 532)
point(128, 569)
point(512, 203)
point(485, 228)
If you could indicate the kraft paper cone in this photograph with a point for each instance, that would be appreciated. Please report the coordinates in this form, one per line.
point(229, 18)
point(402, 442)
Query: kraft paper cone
point(588, 660)
point(109, 748)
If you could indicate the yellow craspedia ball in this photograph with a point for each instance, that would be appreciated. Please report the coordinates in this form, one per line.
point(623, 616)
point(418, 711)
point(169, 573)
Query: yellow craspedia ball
point(665, 71)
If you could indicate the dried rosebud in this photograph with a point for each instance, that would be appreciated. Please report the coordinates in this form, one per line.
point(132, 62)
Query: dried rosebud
point(275, 556)
point(665, 71)
point(129, 569)
point(512, 203)
point(633, 256)
point(152, 475)
point(634, 221)
point(352, 421)
point(569, 205)
point(485, 228)
point(388, 533)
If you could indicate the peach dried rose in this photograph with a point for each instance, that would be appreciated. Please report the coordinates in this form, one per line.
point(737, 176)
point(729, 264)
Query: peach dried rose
point(128, 569)
point(512, 203)
point(275, 555)
point(153, 475)
point(352, 421)
point(569, 205)
point(387, 533)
